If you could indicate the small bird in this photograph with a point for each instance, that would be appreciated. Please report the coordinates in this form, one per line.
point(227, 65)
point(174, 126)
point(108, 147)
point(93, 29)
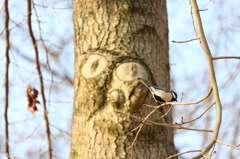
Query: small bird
point(160, 94)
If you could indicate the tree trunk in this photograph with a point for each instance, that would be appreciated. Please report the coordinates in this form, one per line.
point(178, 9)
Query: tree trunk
point(117, 41)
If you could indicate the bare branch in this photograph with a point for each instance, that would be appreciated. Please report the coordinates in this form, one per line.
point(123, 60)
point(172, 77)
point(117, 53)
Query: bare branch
point(182, 122)
point(211, 155)
point(167, 112)
point(30, 134)
point(235, 147)
point(61, 130)
point(203, 9)
point(47, 53)
point(185, 41)
point(139, 127)
point(193, 23)
point(148, 122)
point(226, 57)
point(177, 126)
point(34, 42)
point(208, 54)
point(57, 14)
point(151, 106)
point(196, 102)
point(183, 153)
point(6, 82)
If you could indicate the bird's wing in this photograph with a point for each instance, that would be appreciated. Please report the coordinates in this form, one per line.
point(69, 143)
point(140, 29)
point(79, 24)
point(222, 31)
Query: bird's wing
point(158, 88)
point(161, 93)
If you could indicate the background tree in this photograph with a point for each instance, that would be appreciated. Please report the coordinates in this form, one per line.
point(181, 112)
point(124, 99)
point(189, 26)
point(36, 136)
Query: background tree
point(115, 43)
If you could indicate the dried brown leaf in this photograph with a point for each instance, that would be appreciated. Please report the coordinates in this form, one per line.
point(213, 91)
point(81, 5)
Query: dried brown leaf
point(32, 95)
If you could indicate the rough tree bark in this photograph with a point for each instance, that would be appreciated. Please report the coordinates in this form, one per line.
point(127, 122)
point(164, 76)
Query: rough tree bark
point(117, 41)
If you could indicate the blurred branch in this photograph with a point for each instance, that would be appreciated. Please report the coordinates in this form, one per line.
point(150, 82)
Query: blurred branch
point(226, 57)
point(7, 78)
point(207, 51)
point(34, 42)
point(30, 134)
point(211, 155)
point(45, 48)
point(53, 9)
point(61, 130)
point(10, 157)
point(235, 147)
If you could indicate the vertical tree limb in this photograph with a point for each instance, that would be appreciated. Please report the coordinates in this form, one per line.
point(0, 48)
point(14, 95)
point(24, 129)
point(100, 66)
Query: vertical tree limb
point(204, 44)
point(6, 78)
point(34, 42)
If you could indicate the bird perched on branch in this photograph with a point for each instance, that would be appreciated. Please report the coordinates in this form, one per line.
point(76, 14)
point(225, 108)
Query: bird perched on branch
point(160, 94)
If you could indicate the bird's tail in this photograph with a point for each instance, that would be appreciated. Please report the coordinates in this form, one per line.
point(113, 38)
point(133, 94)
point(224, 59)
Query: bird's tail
point(141, 80)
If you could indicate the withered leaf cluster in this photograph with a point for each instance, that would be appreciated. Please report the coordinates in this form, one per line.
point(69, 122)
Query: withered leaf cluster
point(32, 95)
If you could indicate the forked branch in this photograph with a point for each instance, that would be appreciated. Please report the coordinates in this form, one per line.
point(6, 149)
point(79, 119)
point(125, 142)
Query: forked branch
point(204, 44)
point(176, 126)
point(35, 46)
point(185, 122)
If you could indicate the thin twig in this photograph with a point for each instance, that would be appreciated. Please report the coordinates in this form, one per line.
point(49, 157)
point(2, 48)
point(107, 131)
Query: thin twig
point(176, 126)
point(183, 153)
point(34, 42)
point(211, 155)
point(30, 134)
point(203, 9)
point(57, 14)
point(235, 147)
point(151, 106)
point(47, 53)
point(139, 127)
point(185, 41)
point(204, 44)
point(182, 122)
point(136, 136)
point(132, 153)
point(61, 130)
point(181, 99)
point(6, 82)
point(167, 112)
point(196, 102)
point(148, 122)
point(193, 23)
point(226, 57)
